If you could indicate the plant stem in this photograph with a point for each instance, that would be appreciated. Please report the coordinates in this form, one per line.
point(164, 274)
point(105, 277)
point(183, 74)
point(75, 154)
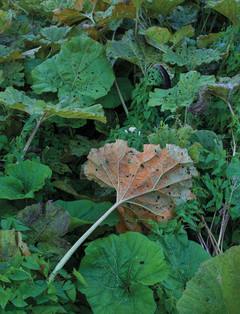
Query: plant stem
point(213, 240)
point(70, 252)
point(121, 98)
point(25, 149)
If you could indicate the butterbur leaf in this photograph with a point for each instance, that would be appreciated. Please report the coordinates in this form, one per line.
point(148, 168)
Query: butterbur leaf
point(183, 261)
point(161, 6)
point(161, 38)
point(23, 179)
point(5, 20)
point(53, 222)
point(112, 100)
point(12, 74)
point(118, 11)
point(158, 37)
point(151, 183)
point(181, 95)
point(191, 57)
point(118, 269)
point(133, 49)
point(8, 54)
point(224, 88)
point(215, 288)
point(66, 108)
point(85, 212)
point(80, 68)
point(68, 16)
point(229, 8)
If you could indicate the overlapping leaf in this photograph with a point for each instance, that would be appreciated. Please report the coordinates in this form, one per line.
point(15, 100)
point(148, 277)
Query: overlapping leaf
point(159, 37)
point(12, 74)
point(11, 244)
point(155, 181)
point(118, 270)
point(8, 54)
point(80, 68)
point(23, 179)
point(67, 108)
point(181, 95)
point(229, 8)
point(133, 49)
point(216, 286)
point(161, 6)
point(183, 257)
point(48, 223)
point(191, 57)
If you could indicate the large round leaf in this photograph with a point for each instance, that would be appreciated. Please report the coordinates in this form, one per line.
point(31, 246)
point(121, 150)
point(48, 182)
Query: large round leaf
point(215, 289)
point(80, 68)
point(117, 270)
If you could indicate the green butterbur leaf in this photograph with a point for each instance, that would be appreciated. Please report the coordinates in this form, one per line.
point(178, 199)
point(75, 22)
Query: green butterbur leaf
point(112, 100)
point(80, 68)
point(229, 8)
point(8, 54)
point(224, 87)
point(181, 95)
point(161, 38)
point(162, 6)
point(23, 179)
point(191, 57)
point(85, 212)
point(5, 20)
point(183, 16)
point(183, 261)
point(215, 288)
point(118, 270)
point(233, 169)
point(66, 108)
point(133, 49)
point(158, 37)
point(12, 74)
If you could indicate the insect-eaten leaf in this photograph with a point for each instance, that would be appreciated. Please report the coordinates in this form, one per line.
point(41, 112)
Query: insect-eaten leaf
point(149, 183)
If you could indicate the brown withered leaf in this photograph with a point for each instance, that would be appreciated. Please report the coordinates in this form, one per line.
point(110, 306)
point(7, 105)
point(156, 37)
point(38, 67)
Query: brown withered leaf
point(149, 183)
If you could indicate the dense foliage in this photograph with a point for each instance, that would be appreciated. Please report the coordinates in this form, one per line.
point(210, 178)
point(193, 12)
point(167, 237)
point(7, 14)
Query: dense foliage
point(119, 125)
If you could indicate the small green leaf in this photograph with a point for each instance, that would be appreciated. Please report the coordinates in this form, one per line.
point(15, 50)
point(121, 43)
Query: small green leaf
point(233, 169)
point(5, 296)
point(31, 263)
point(79, 276)
point(20, 274)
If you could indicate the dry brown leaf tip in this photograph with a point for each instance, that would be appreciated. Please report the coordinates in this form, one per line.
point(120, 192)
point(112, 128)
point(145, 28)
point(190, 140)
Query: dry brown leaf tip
point(156, 180)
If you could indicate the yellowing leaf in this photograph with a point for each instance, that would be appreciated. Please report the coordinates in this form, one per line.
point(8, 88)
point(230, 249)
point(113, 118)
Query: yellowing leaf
point(155, 180)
